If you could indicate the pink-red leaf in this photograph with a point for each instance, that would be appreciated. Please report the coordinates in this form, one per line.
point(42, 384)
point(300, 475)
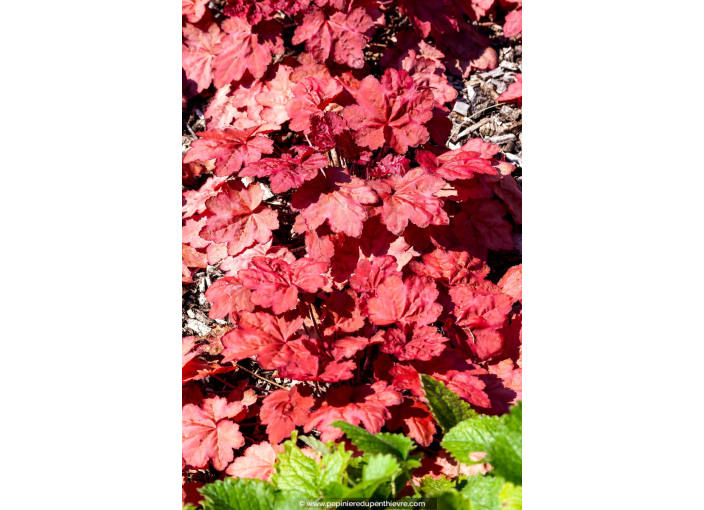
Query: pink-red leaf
point(410, 198)
point(336, 197)
point(209, 433)
point(366, 405)
point(231, 149)
point(228, 297)
point(276, 283)
point(288, 172)
point(257, 462)
point(412, 301)
point(283, 410)
point(259, 334)
point(238, 218)
point(392, 111)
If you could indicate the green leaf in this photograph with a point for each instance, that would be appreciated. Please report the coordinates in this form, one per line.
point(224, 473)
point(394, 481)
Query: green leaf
point(333, 466)
point(470, 436)
point(364, 490)
point(505, 452)
point(430, 486)
point(188, 506)
point(483, 492)
point(299, 474)
point(511, 497)
point(238, 494)
point(453, 500)
point(295, 472)
point(395, 444)
point(316, 444)
point(447, 407)
point(381, 466)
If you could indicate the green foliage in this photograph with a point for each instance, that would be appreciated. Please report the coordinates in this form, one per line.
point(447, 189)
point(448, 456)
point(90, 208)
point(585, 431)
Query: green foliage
point(470, 436)
point(505, 452)
point(303, 477)
point(483, 492)
point(447, 407)
point(511, 497)
point(453, 500)
point(188, 506)
point(238, 494)
point(386, 466)
point(430, 486)
point(394, 444)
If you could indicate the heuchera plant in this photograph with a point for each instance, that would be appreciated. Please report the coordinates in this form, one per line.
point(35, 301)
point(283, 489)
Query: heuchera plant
point(356, 250)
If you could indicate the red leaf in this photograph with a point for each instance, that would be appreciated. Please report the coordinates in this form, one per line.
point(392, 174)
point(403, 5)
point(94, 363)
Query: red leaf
point(195, 199)
point(337, 198)
point(453, 266)
point(259, 334)
point(228, 296)
point(481, 221)
point(209, 433)
point(238, 218)
point(288, 172)
point(241, 50)
point(392, 111)
point(369, 274)
point(365, 405)
point(257, 462)
point(405, 302)
point(234, 106)
point(415, 419)
point(413, 343)
point(512, 283)
point(456, 164)
point(342, 313)
point(193, 9)
point(514, 91)
point(480, 307)
point(198, 54)
point(427, 14)
point(341, 35)
point(513, 24)
point(283, 410)
point(275, 95)
point(276, 283)
point(410, 198)
point(231, 149)
point(310, 96)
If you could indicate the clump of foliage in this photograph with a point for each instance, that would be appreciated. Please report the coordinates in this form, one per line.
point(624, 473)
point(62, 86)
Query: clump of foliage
point(355, 248)
point(380, 467)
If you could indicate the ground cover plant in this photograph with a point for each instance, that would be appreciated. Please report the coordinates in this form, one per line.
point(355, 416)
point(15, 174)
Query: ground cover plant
point(351, 272)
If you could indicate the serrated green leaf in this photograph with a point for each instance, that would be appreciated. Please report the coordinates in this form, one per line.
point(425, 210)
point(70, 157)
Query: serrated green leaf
point(316, 444)
point(453, 500)
point(430, 486)
point(290, 500)
point(511, 497)
point(395, 444)
point(380, 466)
point(365, 489)
point(295, 472)
point(470, 436)
point(238, 494)
point(447, 407)
point(505, 452)
point(483, 492)
point(334, 490)
point(333, 466)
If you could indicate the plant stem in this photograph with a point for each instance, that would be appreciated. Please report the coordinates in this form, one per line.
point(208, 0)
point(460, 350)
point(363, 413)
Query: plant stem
point(260, 377)
point(410, 480)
